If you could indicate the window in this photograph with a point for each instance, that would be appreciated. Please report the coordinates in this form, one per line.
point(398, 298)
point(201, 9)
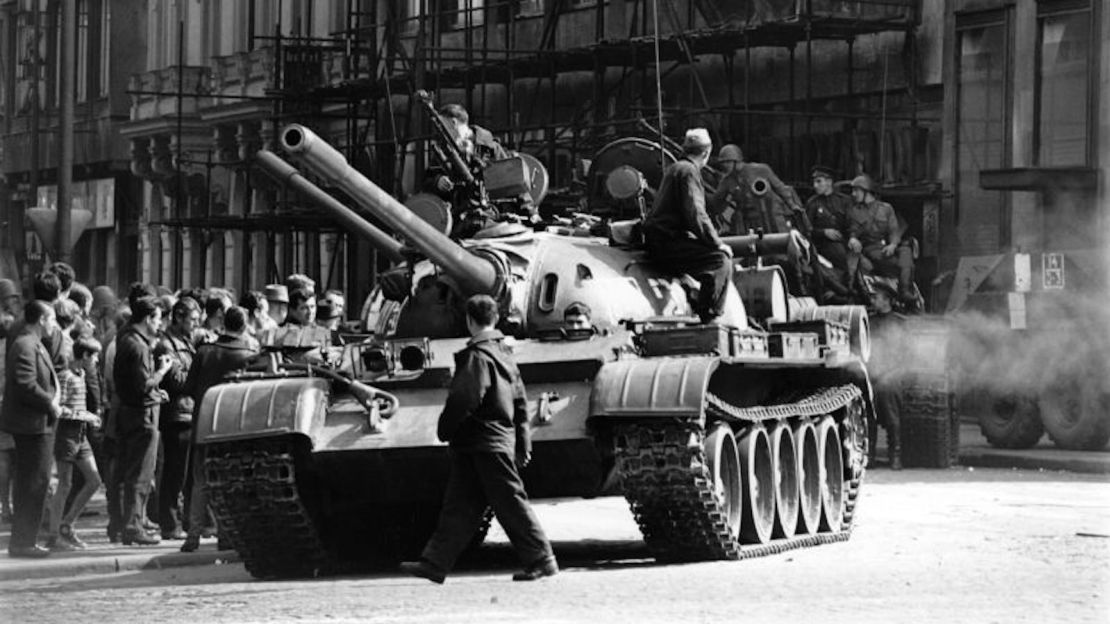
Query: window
point(105, 78)
point(1064, 83)
point(81, 91)
point(984, 62)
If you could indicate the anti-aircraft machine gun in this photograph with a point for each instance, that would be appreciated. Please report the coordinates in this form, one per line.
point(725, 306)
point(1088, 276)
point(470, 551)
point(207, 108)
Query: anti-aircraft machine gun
point(728, 440)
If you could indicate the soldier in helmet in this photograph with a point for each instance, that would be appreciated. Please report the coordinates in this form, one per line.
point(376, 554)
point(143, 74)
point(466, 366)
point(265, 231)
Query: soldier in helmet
point(678, 232)
point(759, 199)
point(875, 237)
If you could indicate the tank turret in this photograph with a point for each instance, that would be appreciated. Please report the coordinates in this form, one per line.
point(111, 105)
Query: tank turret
point(472, 272)
point(286, 173)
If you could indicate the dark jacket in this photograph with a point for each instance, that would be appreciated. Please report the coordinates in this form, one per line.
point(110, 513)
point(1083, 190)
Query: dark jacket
point(828, 212)
point(133, 372)
point(214, 361)
point(679, 209)
point(30, 385)
point(486, 408)
point(179, 408)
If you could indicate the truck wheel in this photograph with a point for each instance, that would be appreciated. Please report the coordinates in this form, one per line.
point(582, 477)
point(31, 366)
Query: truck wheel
point(1076, 415)
point(1011, 422)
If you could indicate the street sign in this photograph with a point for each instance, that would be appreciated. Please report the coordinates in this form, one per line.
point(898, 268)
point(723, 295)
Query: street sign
point(1052, 265)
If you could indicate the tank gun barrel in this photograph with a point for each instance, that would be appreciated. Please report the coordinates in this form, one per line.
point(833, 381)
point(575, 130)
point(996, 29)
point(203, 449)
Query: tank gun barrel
point(751, 245)
point(473, 273)
point(287, 174)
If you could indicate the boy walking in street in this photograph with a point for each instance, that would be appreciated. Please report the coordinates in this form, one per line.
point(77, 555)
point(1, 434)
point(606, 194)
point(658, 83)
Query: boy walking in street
point(485, 420)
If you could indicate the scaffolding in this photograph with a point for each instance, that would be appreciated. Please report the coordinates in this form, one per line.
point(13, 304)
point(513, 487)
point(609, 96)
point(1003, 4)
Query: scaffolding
point(507, 61)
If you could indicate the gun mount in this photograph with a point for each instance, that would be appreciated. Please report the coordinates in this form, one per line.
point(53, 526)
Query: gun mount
point(473, 273)
point(286, 173)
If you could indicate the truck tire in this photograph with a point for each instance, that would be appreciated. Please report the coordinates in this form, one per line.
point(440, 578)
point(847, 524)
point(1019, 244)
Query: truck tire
point(1076, 415)
point(1011, 421)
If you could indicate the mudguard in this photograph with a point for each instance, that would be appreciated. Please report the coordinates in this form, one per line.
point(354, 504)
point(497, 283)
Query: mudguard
point(262, 408)
point(673, 386)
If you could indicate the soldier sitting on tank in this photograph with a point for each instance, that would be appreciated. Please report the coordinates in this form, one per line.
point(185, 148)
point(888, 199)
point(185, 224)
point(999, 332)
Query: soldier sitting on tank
point(757, 197)
point(875, 242)
point(760, 202)
point(827, 213)
point(679, 234)
point(470, 205)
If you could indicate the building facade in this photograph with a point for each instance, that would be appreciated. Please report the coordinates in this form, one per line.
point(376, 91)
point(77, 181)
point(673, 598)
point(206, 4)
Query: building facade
point(30, 133)
point(923, 95)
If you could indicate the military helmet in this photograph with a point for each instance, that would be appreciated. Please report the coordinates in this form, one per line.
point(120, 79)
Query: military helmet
point(730, 153)
point(863, 182)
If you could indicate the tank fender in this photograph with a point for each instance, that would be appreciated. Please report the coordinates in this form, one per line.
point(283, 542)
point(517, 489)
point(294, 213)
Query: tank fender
point(262, 408)
point(637, 388)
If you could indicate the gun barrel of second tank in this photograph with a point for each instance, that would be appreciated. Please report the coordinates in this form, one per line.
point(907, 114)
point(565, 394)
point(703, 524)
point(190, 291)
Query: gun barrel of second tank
point(751, 245)
point(286, 173)
point(474, 274)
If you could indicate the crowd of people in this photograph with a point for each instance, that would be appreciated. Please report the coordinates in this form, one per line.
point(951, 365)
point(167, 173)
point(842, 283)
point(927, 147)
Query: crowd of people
point(101, 390)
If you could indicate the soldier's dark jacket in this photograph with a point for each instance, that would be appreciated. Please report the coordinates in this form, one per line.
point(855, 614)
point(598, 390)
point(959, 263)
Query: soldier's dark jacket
point(486, 408)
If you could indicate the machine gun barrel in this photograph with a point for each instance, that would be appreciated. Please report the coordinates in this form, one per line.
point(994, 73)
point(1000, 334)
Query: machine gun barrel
point(448, 152)
point(287, 174)
point(473, 273)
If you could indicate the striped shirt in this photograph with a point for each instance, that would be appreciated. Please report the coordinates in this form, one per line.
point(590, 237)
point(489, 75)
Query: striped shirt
point(74, 394)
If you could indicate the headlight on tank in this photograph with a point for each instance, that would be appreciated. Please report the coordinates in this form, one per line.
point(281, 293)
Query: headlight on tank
point(411, 355)
point(375, 360)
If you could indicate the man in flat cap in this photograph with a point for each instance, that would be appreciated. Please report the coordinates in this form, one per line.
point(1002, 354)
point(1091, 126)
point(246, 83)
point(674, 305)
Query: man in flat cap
point(827, 211)
point(679, 234)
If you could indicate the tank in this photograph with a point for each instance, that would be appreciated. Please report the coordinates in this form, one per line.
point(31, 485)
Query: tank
point(741, 438)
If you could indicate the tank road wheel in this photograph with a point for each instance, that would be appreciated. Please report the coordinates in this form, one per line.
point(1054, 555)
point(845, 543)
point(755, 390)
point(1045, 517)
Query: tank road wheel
point(832, 475)
point(759, 487)
point(785, 462)
point(1076, 415)
point(724, 467)
point(809, 478)
point(1011, 421)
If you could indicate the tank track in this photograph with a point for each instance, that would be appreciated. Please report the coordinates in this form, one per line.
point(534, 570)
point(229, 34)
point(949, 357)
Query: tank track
point(671, 493)
point(252, 485)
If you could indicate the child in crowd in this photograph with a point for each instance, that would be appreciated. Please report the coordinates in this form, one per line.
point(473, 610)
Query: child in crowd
point(71, 447)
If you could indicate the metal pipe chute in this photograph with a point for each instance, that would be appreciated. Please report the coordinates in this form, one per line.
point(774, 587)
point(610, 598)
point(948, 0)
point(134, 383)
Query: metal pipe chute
point(472, 273)
point(287, 174)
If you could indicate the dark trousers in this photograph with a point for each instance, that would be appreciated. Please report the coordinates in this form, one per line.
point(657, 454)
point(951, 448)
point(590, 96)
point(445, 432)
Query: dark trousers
point(113, 484)
point(479, 480)
point(175, 466)
point(138, 452)
point(900, 265)
point(888, 408)
point(711, 267)
point(34, 458)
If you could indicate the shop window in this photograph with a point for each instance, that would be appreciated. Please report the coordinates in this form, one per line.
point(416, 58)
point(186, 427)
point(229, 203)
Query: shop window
point(1064, 73)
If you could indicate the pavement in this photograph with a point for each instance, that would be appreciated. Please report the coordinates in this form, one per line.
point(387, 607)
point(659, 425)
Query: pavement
point(103, 557)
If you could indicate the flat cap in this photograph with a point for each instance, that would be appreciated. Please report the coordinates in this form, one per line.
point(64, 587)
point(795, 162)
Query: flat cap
point(823, 171)
point(697, 137)
point(277, 293)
